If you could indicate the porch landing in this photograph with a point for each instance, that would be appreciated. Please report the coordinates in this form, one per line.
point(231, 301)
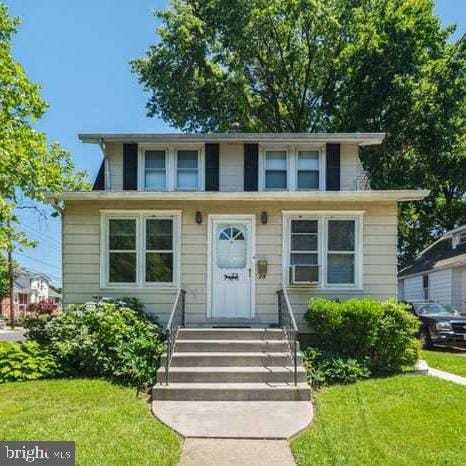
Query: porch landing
point(235, 419)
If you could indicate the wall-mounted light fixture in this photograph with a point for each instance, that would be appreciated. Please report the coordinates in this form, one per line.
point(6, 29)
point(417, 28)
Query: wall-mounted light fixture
point(198, 217)
point(264, 218)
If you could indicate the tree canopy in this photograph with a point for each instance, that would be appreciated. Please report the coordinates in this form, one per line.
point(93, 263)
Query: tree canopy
point(29, 166)
point(325, 65)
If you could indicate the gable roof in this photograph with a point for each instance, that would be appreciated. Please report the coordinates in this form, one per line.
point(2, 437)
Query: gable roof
point(439, 255)
point(362, 139)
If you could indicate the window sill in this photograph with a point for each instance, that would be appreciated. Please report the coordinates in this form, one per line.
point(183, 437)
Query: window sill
point(138, 287)
point(298, 287)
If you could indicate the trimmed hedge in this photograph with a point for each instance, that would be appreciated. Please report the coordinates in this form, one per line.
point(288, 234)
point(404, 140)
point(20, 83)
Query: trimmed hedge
point(384, 333)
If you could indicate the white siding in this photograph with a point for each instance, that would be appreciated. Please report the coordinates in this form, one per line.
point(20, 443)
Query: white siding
point(231, 175)
point(81, 263)
point(440, 286)
point(459, 289)
point(114, 153)
point(349, 167)
point(413, 289)
point(231, 167)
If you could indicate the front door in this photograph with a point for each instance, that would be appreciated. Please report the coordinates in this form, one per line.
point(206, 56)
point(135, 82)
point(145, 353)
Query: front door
point(232, 246)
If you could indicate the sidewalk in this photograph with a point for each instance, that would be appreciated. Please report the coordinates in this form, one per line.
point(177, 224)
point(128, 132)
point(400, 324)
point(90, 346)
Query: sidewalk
point(230, 452)
point(6, 334)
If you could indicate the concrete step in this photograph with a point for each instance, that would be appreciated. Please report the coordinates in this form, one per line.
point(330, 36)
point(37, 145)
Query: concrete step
point(232, 392)
point(236, 359)
point(231, 346)
point(231, 374)
point(230, 334)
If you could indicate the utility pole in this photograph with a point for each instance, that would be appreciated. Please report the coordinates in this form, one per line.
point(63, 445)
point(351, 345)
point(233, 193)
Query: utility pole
point(10, 275)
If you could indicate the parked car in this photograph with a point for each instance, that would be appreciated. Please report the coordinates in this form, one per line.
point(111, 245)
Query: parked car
point(441, 324)
point(2, 323)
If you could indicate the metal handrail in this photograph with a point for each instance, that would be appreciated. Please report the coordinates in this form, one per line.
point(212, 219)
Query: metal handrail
point(176, 320)
point(287, 322)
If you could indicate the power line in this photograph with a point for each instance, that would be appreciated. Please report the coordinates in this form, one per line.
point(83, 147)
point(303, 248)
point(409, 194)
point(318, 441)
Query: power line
point(41, 240)
point(39, 261)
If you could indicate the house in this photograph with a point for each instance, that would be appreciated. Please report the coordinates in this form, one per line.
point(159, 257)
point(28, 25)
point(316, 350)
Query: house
point(55, 298)
point(29, 287)
point(438, 273)
point(231, 219)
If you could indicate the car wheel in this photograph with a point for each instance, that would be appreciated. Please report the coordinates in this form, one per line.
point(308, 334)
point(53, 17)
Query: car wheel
point(426, 341)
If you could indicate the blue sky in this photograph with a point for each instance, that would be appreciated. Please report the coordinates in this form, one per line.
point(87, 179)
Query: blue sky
point(79, 52)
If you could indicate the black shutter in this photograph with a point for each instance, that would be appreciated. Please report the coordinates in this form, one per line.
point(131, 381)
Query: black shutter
point(251, 167)
point(212, 166)
point(99, 183)
point(130, 167)
point(333, 167)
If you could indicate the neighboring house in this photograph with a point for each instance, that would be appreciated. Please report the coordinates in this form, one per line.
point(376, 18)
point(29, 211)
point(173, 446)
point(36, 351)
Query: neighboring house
point(29, 287)
point(438, 273)
point(231, 218)
point(55, 298)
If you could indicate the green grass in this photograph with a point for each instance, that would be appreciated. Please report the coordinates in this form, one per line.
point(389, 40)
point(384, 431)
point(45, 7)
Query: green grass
point(454, 362)
point(110, 425)
point(403, 420)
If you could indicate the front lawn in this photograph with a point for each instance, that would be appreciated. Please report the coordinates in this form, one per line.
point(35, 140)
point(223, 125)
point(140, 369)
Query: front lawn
point(403, 420)
point(454, 362)
point(110, 425)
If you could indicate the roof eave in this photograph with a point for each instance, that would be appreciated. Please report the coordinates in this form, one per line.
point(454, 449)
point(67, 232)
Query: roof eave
point(362, 139)
point(259, 196)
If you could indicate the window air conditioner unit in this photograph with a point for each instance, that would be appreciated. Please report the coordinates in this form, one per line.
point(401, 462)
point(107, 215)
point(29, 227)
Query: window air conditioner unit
point(304, 275)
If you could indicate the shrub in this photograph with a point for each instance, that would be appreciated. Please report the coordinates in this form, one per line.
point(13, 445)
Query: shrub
point(43, 307)
point(102, 339)
point(329, 369)
point(382, 332)
point(26, 361)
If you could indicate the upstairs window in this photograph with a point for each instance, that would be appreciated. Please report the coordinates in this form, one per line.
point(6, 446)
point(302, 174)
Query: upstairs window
point(155, 170)
point(308, 170)
point(341, 252)
point(187, 170)
point(275, 170)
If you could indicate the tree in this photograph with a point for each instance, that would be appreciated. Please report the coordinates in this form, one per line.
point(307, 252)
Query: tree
point(29, 167)
point(3, 278)
point(325, 65)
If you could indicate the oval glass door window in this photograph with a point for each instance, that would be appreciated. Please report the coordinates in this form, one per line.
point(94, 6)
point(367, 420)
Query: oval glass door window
point(231, 247)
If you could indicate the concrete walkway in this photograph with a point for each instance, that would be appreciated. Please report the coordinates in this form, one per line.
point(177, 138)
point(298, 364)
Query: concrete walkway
point(235, 419)
point(447, 376)
point(229, 452)
point(7, 334)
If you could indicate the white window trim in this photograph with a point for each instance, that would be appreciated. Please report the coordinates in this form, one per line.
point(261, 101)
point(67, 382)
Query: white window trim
point(292, 165)
point(200, 167)
point(140, 216)
point(142, 168)
point(323, 217)
point(322, 166)
point(171, 151)
point(262, 166)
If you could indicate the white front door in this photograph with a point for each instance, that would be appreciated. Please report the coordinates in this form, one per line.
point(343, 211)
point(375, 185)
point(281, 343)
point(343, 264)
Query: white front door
point(232, 276)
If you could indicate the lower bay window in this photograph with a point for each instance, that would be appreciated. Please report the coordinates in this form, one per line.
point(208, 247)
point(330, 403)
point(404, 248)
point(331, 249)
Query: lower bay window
point(140, 249)
point(323, 250)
